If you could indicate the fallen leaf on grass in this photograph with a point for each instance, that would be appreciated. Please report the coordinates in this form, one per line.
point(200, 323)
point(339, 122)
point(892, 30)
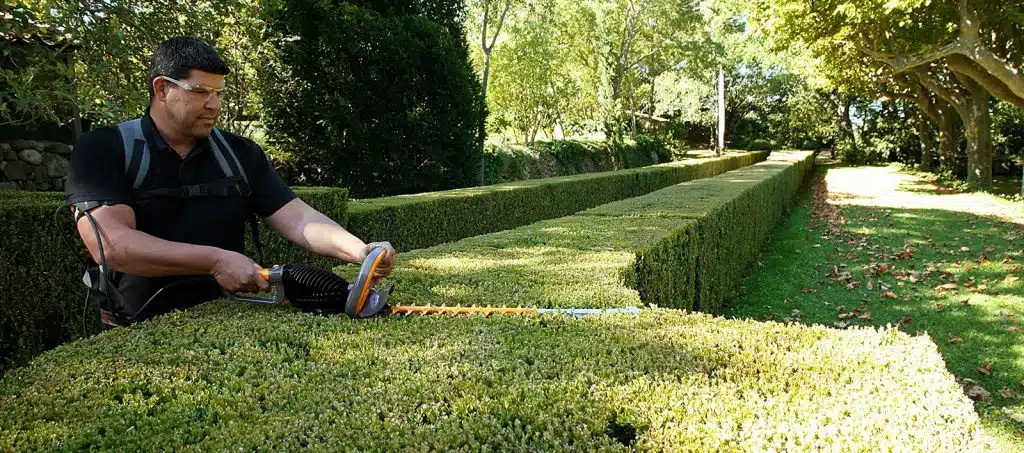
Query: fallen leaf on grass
point(989, 249)
point(1013, 328)
point(1008, 394)
point(939, 306)
point(845, 316)
point(946, 287)
point(985, 369)
point(797, 313)
point(809, 290)
point(977, 392)
point(871, 285)
point(913, 279)
point(865, 316)
point(906, 320)
point(1011, 278)
point(841, 324)
point(965, 249)
point(1007, 260)
point(841, 309)
point(965, 302)
point(889, 295)
point(1007, 314)
point(973, 389)
point(953, 339)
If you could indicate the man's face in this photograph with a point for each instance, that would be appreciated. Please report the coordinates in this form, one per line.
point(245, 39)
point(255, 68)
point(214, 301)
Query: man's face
point(194, 113)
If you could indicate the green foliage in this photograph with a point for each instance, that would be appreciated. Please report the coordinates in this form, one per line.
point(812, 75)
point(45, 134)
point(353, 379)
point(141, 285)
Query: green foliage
point(112, 42)
point(40, 278)
point(422, 220)
point(380, 103)
point(735, 212)
point(236, 375)
point(506, 163)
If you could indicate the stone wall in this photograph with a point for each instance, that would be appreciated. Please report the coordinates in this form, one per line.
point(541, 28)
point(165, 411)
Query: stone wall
point(34, 165)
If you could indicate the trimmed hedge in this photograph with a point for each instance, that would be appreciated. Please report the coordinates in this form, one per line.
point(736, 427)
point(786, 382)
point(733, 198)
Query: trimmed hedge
point(42, 298)
point(678, 247)
point(231, 375)
point(422, 220)
point(735, 214)
point(548, 159)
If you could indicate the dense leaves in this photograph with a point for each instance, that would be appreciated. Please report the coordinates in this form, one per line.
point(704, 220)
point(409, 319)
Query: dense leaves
point(383, 104)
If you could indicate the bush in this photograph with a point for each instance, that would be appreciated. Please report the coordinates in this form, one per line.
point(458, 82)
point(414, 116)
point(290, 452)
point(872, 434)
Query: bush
point(548, 159)
point(758, 144)
point(377, 98)
point(41, 292)
point(735, 212)
point(235, 375)
point(678, 247)
point(422, 220)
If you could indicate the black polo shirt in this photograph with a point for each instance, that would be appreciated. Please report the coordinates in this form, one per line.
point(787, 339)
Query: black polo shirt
point(98, 174)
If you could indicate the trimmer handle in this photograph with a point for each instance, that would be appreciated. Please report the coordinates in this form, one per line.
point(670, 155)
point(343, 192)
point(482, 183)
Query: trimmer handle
point(273, 275)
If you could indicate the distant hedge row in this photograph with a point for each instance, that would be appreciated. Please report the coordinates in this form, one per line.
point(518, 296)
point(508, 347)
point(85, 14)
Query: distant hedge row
point(548, 159)
point(231, 375)
point(680, 247)
point(422, 220)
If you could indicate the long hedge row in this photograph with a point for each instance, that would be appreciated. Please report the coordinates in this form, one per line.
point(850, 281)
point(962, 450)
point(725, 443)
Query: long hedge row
point(246, 376)
point(35, 274)
point(42, 298)
point(678, 247)
point(422, 220)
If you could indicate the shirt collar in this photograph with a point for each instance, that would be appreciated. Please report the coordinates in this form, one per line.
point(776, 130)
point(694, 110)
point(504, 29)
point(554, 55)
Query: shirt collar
point(156, 141)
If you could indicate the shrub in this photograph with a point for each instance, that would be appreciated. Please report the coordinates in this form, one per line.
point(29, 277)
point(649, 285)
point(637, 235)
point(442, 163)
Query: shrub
point(41, 292)
point(249, 376)
point(507, 163)
point(734, 213)
point(380, 99)
point(422, 220)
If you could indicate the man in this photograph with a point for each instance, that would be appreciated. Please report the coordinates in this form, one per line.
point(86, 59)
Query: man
point(174, 236)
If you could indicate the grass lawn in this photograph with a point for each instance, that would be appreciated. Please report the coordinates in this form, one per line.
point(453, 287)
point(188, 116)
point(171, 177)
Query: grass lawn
point(877, 246)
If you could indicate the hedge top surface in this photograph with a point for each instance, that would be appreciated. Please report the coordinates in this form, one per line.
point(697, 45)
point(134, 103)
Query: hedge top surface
point(561, 263)
point(229, 375)
point(358, 205)
point(693, 199)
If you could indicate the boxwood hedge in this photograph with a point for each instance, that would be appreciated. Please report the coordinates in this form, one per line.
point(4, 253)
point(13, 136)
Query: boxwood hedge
point(42, 299)
point(38, 270)
point(422, 220)
point(230, 375)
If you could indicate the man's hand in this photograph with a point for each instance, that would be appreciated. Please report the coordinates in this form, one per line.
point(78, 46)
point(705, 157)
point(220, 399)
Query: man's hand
point(387, 264)
point(238, 273)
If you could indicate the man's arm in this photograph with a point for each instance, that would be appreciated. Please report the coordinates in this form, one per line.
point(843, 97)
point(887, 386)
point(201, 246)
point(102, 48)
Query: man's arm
point(301, 224)
point(97, 176)
point(127, 249)
point(310, 229)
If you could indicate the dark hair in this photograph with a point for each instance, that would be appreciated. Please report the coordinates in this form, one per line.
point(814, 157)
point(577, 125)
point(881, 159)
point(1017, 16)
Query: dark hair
point(177, 56)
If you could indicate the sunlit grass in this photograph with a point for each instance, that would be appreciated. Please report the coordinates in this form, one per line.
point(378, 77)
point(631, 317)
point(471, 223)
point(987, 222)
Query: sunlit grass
point(973, 243)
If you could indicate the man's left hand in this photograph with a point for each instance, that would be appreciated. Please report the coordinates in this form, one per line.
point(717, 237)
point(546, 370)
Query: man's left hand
point(387, 264)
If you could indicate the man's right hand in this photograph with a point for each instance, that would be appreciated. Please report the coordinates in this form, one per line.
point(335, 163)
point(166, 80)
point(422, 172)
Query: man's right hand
point(238, 273)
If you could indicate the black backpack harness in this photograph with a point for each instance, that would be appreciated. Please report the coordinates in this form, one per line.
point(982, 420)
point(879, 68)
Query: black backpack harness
point(137, 162)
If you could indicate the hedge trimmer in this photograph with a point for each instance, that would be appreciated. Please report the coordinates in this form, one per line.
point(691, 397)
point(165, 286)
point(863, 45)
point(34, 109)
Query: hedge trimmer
point(313, 289)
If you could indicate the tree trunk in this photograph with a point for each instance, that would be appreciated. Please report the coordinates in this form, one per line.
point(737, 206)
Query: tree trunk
point(949, 137)
point(927, 150)
point(721, 112)
point(847, 123)
point(978, 126)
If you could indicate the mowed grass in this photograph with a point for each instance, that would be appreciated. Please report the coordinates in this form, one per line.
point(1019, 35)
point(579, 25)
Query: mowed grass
point(906, 252)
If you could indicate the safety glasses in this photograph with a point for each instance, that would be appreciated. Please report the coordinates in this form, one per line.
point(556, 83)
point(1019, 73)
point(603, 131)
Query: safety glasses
point(198, 89)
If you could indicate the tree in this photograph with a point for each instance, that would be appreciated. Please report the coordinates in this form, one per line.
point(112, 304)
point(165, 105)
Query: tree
point(380, 97)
